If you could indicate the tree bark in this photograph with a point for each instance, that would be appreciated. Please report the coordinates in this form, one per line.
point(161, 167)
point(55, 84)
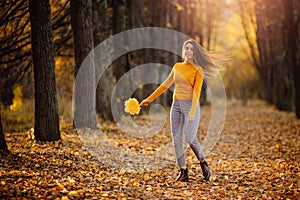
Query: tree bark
point(292, 17)
point(102, 26)
point(46, 127)
point(120, 24)
point(264, 71)
point(3, 147)
point(85, 99)
point(137, 18)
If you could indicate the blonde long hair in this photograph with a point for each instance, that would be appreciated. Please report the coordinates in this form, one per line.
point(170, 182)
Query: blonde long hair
point(212, 63)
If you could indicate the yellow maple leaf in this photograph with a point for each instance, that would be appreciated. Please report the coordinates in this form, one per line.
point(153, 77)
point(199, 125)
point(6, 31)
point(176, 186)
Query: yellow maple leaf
point(132, 106)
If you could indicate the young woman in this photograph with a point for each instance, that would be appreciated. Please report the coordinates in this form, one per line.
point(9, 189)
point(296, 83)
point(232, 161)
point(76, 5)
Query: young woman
point(185, 111)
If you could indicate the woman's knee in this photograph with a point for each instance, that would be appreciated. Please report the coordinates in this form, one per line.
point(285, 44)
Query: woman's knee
point(192, 142)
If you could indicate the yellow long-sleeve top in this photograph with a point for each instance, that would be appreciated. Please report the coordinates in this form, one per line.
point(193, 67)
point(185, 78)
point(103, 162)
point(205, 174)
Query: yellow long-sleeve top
point(188, 83)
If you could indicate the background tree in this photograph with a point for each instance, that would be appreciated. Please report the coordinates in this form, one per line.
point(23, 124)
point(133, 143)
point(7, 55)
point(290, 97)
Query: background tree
point(46, 127)
point(85, 99)
point(292, 40)
point(268, 49)
point(15, 43)
point(3, 147)
point(15, 53)
point(270, 28)
point(102, 28)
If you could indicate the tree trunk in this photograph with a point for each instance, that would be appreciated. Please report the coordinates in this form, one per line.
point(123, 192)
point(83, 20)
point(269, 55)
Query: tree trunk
point(137, 18)
point(120, 24)
point(292, 16)
point(200, 12)
point(270, 41)
point(102, 24)
point(296, 70)
point(209, 19)
point(46, 127)
point(248, 21)
point(85, 99)
point(282, 80)
point(263, 69)
point(3, 147)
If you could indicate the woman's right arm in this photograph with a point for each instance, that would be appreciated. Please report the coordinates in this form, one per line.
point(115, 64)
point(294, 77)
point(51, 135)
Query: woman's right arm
point(161, 89)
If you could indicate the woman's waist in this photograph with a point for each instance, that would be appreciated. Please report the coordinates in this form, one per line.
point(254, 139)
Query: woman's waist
point(183, 105)
point(183, 96)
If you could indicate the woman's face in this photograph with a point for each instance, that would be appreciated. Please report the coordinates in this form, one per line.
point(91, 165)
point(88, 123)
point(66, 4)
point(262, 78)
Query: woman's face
point(188, 52)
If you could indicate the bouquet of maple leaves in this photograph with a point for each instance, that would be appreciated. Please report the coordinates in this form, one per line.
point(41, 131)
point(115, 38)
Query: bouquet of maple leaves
point(132, 106)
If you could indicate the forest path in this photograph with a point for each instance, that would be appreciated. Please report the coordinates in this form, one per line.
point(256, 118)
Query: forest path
point(256, 156)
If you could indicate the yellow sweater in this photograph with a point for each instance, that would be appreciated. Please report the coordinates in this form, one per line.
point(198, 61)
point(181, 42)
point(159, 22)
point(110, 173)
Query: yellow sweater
point(188, 83)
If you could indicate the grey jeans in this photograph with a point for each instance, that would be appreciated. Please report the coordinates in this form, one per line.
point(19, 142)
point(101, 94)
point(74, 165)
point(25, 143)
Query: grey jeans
point(179, 121)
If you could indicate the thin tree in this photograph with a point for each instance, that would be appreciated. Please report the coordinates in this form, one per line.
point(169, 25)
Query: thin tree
point(3, 147)
point(46, 127)
point(102, 26)
point(85, 99)
point(292, 16)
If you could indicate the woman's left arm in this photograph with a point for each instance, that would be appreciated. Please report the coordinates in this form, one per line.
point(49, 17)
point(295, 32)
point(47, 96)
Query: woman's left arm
point(196, 94)
point(161, 89)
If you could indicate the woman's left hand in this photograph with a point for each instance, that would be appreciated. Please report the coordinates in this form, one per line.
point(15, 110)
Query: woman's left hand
point(144, 103)
point(191, 118)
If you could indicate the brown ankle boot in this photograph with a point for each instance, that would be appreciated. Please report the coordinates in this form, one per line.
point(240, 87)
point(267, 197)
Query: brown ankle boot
point(183, 176)
point(205, 170)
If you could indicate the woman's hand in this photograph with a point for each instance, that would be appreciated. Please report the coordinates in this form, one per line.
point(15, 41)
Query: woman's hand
point(144, 103)
point(191, 118)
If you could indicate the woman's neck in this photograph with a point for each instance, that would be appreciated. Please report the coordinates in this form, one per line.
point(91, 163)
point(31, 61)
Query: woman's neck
point(187, 62)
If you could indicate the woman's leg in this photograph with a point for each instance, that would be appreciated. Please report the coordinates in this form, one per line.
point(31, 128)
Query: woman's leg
point(177, 121)
point(191, 129)
point(192, 140)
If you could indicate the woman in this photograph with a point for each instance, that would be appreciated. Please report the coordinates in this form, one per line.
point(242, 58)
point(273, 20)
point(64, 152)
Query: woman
point(185, 111)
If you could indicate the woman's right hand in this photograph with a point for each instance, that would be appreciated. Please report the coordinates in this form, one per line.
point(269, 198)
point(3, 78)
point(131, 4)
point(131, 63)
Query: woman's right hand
point(144, 103)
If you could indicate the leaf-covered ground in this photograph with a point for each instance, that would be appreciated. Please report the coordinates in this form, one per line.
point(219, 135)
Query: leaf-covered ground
point(257, 157)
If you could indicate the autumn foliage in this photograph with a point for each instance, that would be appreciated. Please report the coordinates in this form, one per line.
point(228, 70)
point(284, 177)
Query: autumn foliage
point(256, 157)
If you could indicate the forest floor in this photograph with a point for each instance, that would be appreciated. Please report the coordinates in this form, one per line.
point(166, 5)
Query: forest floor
point(256, 157)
